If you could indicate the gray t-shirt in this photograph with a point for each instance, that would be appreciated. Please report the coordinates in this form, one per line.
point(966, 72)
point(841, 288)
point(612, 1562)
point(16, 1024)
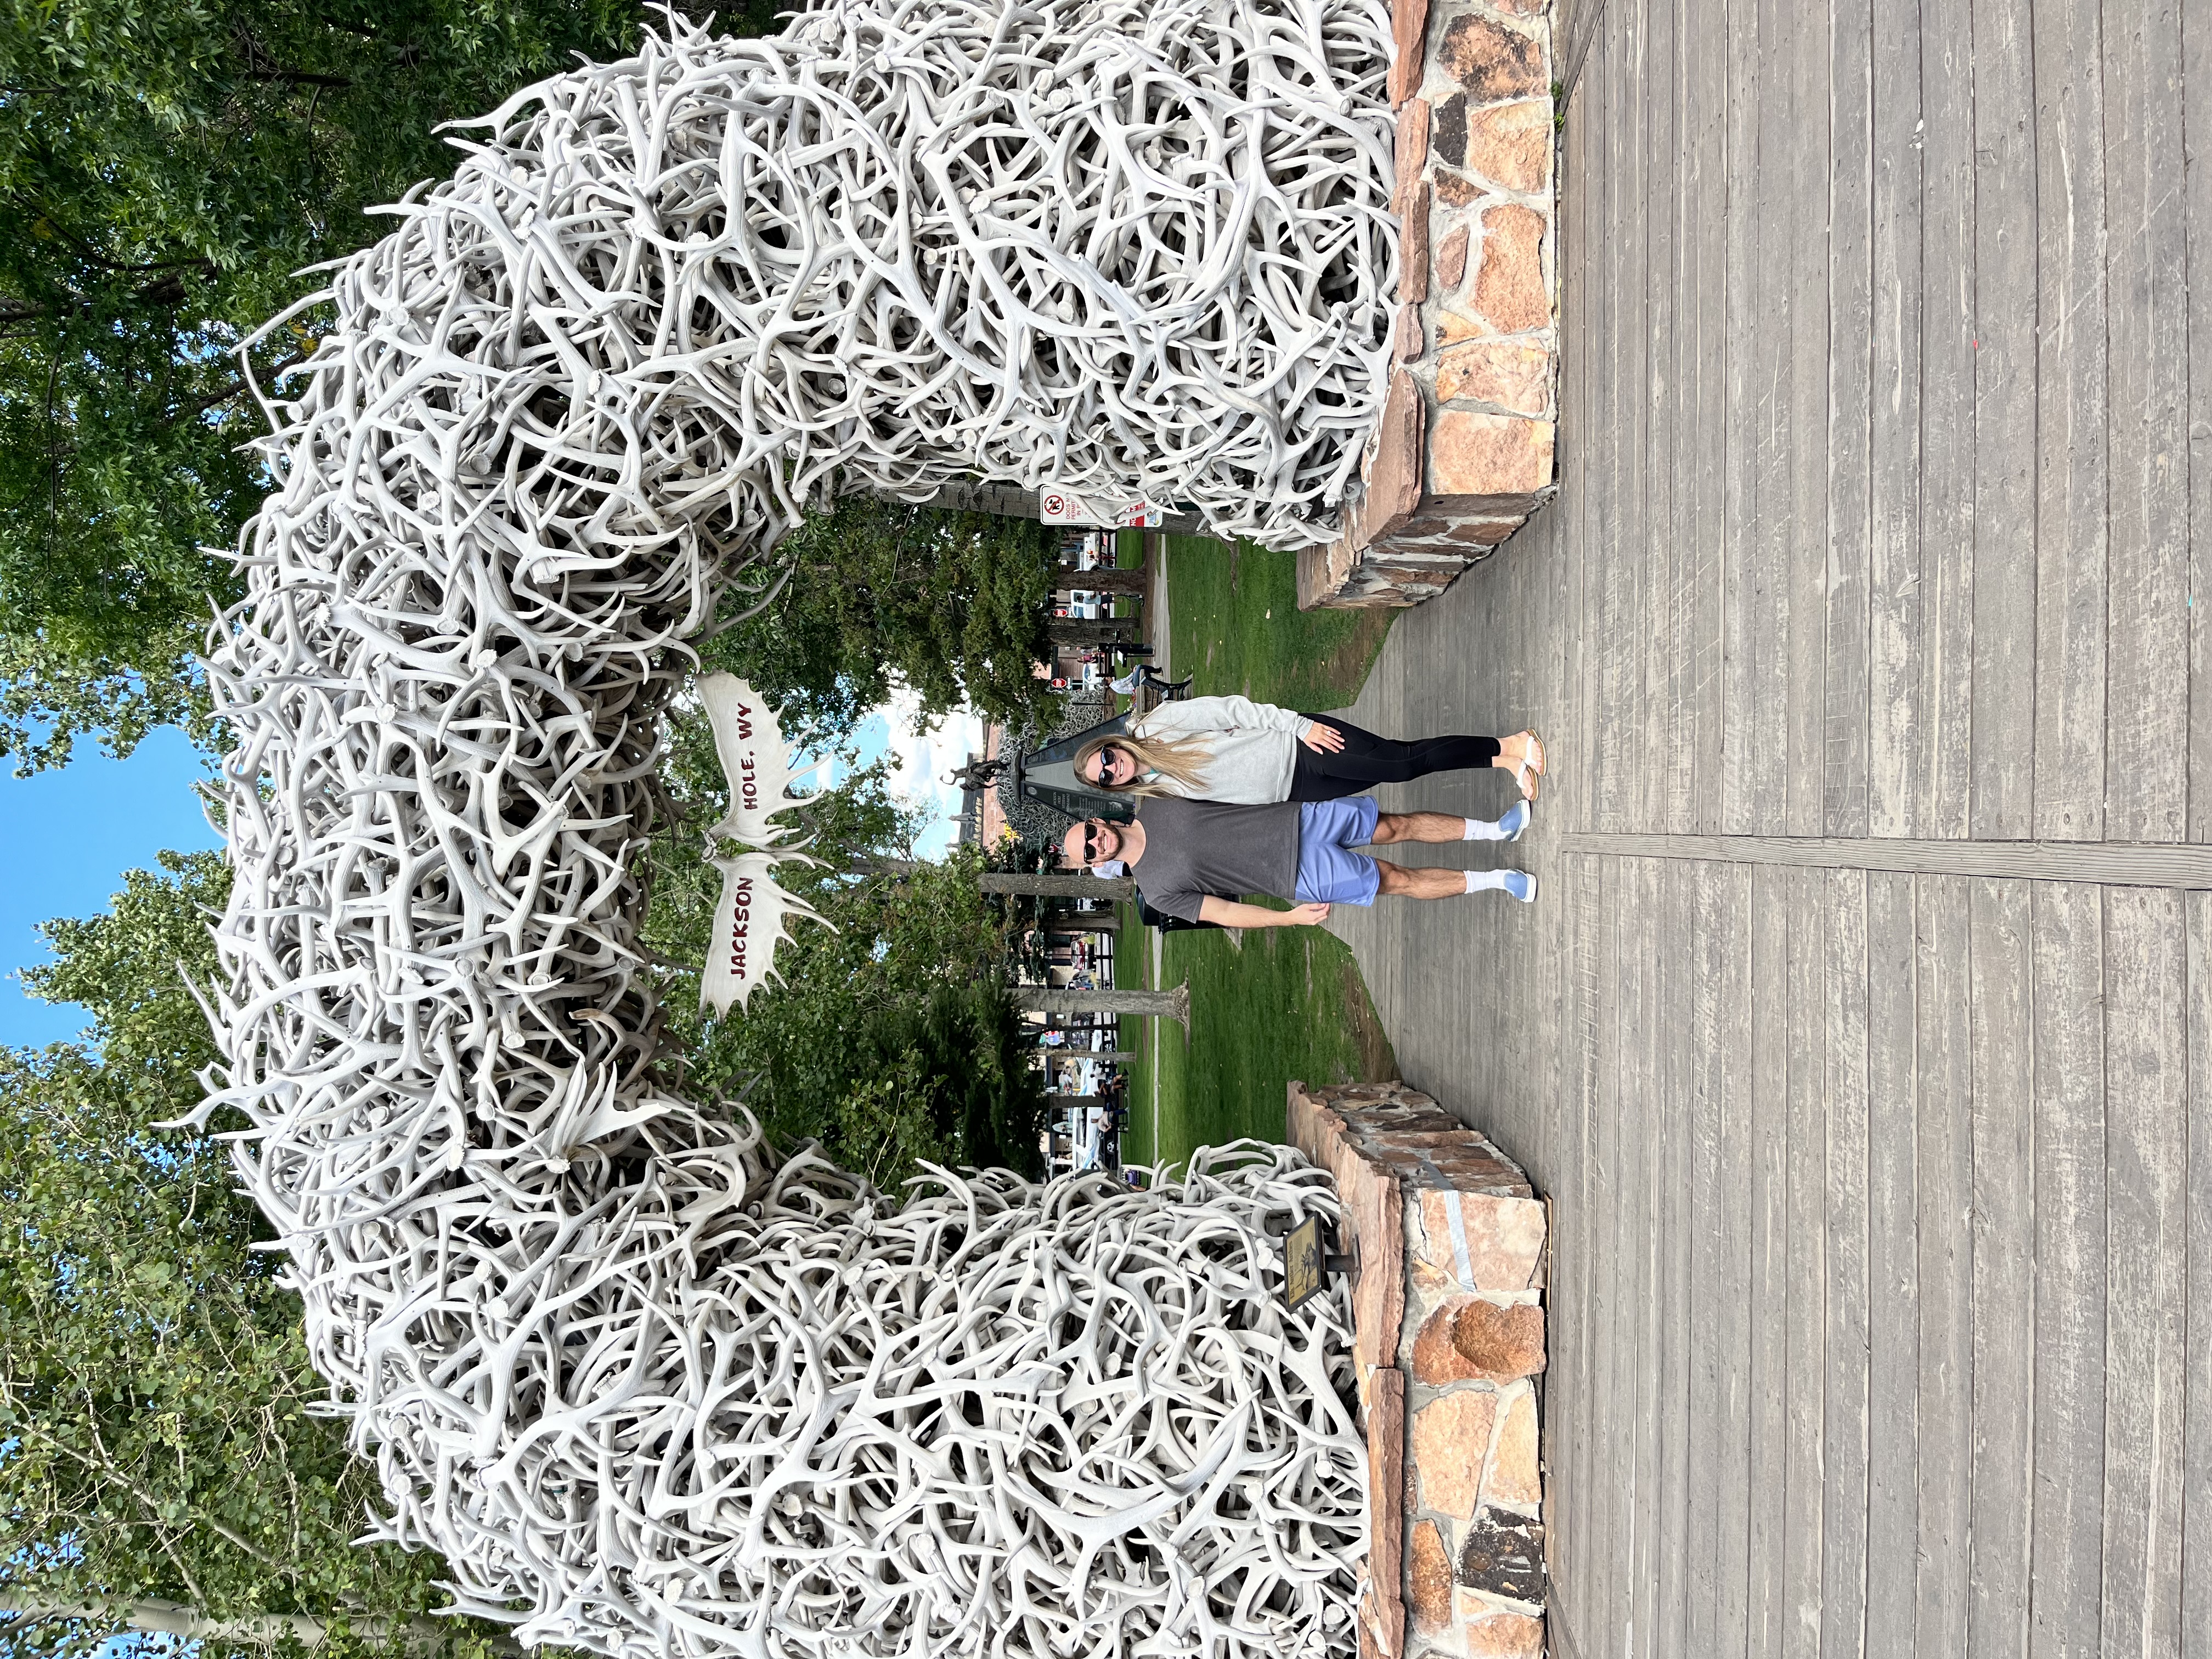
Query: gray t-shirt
point(1196, 847)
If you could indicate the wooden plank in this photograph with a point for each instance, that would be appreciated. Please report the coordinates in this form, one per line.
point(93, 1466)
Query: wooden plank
point(2147, 1152)
point(1895, 668)
point(1612, 588)
point(1848, 463)
point(1800, 168)
point(1706, 1413)
point(1694, 317)
point(1627, 755)
point(1731, 1083)
point(1610, 1405)
point(1764, 712)
point(1842, 894)
point(1949, 365)
point(1579, 409)
point(1804, 1356)
point(1765, 1611)
point(2112, 864)
point(1745, 762)
point(1596, 1014)
point(1944, 1176)
point(2003, 1282)
point(1706, 267)
point(2064, 1554)
point(2196, 1370)
point(2196, 195)
point(1674, 933)
point(2146, 276)
point(1582, 1545)
point(2001, 769)
point(1565, 1421)
point(2072, 386)
point(1665, 787)
point(1893, 1268)
point(1578, 24)
point(1643, 1222)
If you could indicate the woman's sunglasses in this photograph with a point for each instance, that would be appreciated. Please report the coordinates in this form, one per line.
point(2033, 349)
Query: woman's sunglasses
point(1110, 758)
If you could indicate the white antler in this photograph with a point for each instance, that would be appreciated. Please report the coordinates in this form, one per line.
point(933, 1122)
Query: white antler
point(756, 761)
point(748, 924)
point(651, 1389)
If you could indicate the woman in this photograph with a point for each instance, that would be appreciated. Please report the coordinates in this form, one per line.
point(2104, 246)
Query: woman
point(1254, 754)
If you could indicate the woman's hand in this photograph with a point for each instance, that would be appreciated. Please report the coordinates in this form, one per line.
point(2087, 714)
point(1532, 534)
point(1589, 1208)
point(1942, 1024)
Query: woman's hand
point(1322, 739)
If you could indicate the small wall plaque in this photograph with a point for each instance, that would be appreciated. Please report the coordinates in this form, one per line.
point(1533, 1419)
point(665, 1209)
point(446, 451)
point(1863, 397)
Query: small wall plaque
point(1308, 1259)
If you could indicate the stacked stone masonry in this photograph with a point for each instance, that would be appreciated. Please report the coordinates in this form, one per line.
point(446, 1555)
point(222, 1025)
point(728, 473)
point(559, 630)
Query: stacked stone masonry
point(1449, 1340)
point(1463, 453)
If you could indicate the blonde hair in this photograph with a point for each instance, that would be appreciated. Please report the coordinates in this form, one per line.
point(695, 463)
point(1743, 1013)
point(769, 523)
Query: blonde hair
point(1176, 761)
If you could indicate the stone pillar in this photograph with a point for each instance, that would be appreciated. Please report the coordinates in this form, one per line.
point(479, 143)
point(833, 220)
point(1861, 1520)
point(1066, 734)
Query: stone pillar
point(1448, 1340)
point(1463, 453)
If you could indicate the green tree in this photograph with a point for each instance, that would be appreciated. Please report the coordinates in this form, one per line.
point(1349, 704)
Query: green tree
point(154, 1392)
point(166, 169)
point(891, 1039)
point(950, 605)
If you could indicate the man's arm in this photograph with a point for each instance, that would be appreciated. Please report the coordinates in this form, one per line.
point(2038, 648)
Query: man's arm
point(1227, 913)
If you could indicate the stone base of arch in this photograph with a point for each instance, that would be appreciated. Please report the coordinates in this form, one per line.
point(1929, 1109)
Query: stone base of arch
point(1463, 453)
point(1450, 1242)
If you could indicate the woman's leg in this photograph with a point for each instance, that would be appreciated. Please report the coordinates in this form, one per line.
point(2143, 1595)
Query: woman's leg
point(1367, 760)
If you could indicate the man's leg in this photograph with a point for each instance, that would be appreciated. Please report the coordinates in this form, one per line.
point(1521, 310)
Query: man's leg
point(1435, 883)
point(1429, 883)
point(1417, 826)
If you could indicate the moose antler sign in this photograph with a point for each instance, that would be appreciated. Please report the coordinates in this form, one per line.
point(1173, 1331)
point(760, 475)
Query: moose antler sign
point(749, 919)
point(756, 761)
point(748, 924)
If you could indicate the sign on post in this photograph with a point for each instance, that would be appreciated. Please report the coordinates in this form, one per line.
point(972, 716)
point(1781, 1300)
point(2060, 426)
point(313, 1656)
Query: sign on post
point(1309, 1258)
point(1056, 505)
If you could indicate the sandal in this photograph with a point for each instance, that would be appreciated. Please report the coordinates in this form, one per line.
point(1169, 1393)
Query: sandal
point(1530, 769)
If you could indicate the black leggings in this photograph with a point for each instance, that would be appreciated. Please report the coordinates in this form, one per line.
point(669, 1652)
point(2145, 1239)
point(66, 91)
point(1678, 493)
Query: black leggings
point(1366, 760)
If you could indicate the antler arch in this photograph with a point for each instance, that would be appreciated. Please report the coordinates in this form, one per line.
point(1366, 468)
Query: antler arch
point(651, 1390)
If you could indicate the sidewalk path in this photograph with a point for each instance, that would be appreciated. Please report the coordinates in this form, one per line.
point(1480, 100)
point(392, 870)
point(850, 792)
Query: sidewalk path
point(1860, 1035)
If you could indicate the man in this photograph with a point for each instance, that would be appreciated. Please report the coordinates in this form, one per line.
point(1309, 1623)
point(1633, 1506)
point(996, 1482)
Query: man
point(1186, 854)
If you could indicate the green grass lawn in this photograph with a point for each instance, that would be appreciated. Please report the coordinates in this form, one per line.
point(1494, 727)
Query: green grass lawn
point(1280, 1003)
point(1234, 622)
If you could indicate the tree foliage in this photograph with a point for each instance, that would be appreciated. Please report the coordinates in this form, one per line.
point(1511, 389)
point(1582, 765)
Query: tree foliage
point(161, 1416)
point(949, 606)
point(161, 1435)
point(891, 1039)
point(166, 169)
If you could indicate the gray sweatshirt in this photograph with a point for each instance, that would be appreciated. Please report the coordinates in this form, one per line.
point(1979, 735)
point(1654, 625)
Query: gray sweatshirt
point(1251, 746)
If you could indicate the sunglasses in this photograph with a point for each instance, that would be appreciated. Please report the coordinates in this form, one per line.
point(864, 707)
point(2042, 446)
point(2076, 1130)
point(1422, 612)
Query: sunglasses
point(1092, 842)
point(1110, 758)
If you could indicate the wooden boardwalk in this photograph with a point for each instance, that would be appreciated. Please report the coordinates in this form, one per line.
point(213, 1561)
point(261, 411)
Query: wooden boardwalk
point(1862, 1034)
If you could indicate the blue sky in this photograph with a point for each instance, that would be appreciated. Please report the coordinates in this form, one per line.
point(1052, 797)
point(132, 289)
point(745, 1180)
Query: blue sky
point(923, 761)
point(67, 836)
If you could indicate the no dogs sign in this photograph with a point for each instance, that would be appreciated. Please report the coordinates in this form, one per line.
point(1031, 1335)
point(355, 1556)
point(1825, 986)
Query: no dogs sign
point(1056, 505)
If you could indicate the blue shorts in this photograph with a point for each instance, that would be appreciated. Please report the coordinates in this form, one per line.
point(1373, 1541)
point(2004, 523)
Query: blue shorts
point(1329, 871)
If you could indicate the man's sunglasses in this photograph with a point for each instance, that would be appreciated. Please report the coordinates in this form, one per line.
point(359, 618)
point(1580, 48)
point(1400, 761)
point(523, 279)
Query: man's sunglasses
point(1090, 844)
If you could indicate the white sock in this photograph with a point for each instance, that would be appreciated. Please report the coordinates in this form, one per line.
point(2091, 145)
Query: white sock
point(1486, 881)
point(1481, 830)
